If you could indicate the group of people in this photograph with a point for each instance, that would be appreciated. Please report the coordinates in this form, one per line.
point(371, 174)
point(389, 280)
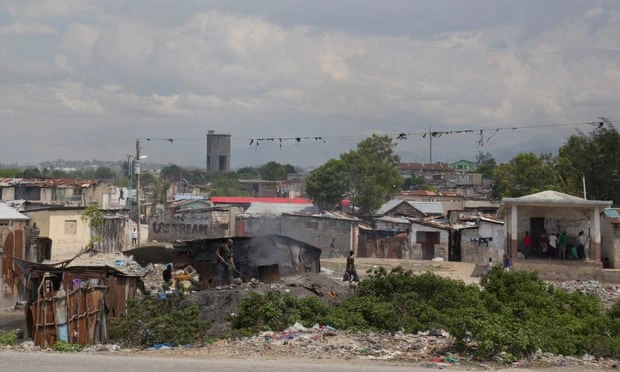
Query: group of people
point(554, 246)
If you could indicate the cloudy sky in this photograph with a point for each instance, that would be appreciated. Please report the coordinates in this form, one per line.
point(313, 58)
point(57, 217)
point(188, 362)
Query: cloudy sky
point(82, 79)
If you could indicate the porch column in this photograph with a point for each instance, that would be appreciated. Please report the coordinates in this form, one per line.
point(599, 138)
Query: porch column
point(514, 234)
point(595, 235)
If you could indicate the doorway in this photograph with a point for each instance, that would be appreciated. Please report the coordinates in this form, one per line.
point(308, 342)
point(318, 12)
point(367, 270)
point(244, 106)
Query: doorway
point(537, 225)
point(427, 239)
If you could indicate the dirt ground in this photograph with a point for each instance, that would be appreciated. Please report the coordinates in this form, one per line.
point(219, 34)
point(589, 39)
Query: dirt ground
point(453, 270)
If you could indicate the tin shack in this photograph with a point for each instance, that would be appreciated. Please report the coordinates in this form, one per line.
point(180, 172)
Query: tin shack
point(71, 300)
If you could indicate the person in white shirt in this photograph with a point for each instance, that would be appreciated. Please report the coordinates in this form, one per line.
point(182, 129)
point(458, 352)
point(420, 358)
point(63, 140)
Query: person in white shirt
point(553, 244)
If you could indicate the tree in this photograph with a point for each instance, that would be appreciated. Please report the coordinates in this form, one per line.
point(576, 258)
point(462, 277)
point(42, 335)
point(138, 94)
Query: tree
point(486, 164)
point(374, 172)
point(171, 172)
point(415, 183)
point(226, 185)
point(247, 173)
point(8, 172)
point(104, 173)
point(595, 157)
point(95, 217)
point(328, 184)
point(160, 189)
point(369, 174)
point(274, 171)
point(527, 173)
point(31, 173)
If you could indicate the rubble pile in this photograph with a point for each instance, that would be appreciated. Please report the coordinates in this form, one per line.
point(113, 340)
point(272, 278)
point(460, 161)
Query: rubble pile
point(118, 261)
point(153, 278)
point(608, 294)
point(217, 304)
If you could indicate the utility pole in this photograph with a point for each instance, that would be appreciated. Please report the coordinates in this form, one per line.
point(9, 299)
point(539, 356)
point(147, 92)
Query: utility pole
point(130, 174)
point(137, 171)
point(430, 146)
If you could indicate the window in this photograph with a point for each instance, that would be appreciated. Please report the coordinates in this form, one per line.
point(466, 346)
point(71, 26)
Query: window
point(70, 227)
point(222, 165)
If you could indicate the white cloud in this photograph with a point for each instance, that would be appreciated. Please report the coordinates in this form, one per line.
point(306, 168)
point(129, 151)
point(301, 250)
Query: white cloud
point(27, 28)
point(72, 97)
point(238, 69)
point(594, 12)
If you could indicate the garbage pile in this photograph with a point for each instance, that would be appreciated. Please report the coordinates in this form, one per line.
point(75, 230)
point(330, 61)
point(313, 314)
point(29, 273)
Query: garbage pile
point(160, 278)
point(608, 294)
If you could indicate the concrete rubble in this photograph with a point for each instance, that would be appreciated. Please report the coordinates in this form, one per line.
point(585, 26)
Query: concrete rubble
point(608, 294)
point(117, 261)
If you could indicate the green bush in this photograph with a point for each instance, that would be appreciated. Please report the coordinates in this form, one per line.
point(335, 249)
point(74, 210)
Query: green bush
point(152, 320)
point(63, 347)
point(8, 337)
point(276, 311)
point(511, 313)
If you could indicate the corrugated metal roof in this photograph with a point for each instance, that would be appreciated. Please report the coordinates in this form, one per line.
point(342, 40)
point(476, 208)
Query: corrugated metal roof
point(391, 204)
point(248, 200)
point(611, 213)
point(389, 219)
point(48, 182)
point(276, 209)
point(8, 213)
point(428, 208)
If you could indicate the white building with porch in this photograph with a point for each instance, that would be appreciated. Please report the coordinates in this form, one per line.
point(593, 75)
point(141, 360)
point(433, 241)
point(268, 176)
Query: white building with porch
point(553, 212)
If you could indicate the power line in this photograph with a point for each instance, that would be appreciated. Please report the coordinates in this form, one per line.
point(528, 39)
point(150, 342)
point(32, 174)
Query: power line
point(404, 135)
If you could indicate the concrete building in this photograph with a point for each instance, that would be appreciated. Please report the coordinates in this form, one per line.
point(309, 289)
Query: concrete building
point(482, 241)
point(610, 236)
point(196, 223)
point(321, 229)
point(62, 233)
point(553, 212)
point(429, 239)
point(218, 152)
point(67, 192)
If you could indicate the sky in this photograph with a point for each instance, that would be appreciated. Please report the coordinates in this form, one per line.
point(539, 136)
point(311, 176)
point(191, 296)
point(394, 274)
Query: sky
point(83, 79)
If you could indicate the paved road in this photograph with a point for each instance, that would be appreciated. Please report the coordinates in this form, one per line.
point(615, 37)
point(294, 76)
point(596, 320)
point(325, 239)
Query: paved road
point(79, 362)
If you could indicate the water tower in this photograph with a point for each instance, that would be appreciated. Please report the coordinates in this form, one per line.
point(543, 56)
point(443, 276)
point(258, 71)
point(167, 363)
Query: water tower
point(218, 152)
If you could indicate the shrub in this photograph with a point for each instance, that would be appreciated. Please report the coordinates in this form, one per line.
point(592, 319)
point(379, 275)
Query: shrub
point(152, 320)
point(511, 313)
point(63, 346)
point(8, 337)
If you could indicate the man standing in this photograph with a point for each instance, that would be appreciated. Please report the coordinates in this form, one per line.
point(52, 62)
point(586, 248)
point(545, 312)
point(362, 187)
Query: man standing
point(350, 271)
point(134, 237)
point(226, 263)
point(553, 244)
point(563, 243)
point(332, 248)
point(527, 245)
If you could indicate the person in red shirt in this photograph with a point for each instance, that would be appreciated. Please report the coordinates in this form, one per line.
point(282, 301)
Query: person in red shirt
point(527, 244)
